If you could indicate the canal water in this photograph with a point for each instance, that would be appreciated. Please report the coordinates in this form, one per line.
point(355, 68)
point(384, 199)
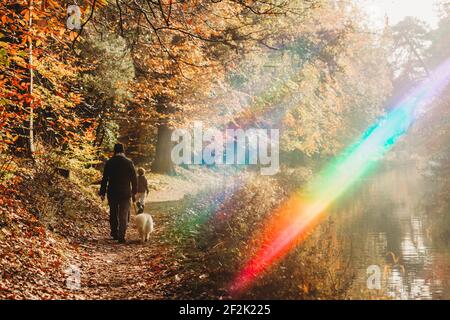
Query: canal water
point(387, 222)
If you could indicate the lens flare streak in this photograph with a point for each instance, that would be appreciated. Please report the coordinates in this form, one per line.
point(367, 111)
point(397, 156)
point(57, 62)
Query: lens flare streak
point(297, 217)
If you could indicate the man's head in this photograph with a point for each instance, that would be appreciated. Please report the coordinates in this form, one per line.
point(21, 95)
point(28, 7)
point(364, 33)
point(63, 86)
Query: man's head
point(118, 148)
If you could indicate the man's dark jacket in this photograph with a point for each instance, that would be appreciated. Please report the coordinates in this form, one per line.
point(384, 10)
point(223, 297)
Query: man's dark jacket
point(119, 178)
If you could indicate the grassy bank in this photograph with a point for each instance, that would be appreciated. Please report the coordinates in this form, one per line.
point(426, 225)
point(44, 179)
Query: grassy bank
point(214, 232)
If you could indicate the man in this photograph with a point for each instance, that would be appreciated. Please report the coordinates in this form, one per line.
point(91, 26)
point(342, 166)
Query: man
point(120, 184)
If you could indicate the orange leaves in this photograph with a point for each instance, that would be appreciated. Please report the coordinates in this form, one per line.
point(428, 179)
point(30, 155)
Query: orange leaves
point(54, 64)
point(102, 3)
point(25, 14)
point(185, 6)
point(4, 19)
point(73, 35)
point(52, 4)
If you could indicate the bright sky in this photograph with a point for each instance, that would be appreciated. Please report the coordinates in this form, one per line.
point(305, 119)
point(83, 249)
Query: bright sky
point(397, 10)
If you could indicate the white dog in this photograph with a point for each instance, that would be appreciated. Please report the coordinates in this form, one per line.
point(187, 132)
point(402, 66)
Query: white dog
point(144, 224)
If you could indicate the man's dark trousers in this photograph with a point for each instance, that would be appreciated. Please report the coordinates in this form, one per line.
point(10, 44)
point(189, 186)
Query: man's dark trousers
point(119, 210)
point(119, 182)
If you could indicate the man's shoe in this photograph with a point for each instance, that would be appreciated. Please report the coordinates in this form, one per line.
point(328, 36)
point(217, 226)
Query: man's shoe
point(122, 241)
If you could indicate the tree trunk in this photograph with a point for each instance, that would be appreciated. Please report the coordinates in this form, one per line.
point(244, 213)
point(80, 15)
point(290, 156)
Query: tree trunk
point(31, 119)
point(163, 162)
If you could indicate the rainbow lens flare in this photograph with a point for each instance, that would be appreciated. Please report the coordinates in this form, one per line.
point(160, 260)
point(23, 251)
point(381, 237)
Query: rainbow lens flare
point(293, 220)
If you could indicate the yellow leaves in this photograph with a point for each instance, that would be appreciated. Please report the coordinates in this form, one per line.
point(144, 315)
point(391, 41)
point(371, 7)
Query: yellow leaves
point(73, 35)
point(5, 45)
point(23, 23)
point(10, 137)
point(19, 60)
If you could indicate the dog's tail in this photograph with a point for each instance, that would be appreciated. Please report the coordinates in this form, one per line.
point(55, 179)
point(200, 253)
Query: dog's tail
point(149, 222)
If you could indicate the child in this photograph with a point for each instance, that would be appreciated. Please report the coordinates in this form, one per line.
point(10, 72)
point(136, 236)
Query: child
point(142, 190)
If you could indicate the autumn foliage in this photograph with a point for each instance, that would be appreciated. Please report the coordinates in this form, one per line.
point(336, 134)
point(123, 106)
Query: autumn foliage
point(136, 70)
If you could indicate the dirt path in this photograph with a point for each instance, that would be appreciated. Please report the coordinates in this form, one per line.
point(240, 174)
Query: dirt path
point(129, 271)
point(133, 270)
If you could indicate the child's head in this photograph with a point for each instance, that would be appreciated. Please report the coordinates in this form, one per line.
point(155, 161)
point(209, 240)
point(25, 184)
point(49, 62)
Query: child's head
point(141, 171)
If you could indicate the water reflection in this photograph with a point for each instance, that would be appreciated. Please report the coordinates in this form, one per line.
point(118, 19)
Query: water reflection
point(387, 223)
